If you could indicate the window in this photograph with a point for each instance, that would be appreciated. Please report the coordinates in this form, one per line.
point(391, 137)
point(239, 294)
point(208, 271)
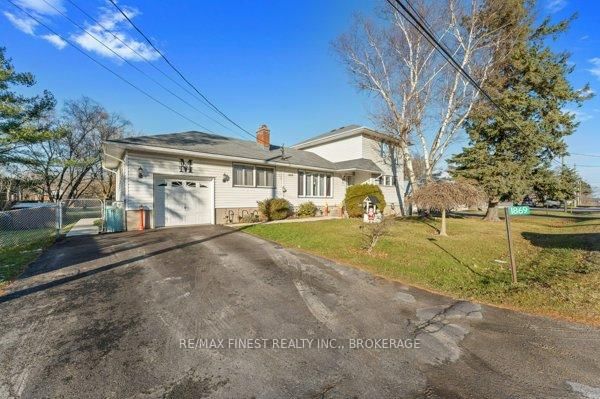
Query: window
point(251, 176)
point(243, 175)
point(190, 183)
point(385, 180)
point(265, 177)
point(314, 184)
point(300, 183)
point(176, 184)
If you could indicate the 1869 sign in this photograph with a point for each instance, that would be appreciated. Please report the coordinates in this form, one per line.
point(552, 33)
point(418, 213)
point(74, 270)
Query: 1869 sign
point(185, 166)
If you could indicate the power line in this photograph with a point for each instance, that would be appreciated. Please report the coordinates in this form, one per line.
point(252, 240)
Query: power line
point(177, 70)
point(585, 155)
point(105, 67)
point(441, 48)
point(134, 66)
point(145, 59)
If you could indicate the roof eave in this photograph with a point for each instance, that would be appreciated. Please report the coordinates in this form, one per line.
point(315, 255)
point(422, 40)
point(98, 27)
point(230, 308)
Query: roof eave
point(347, 133)
point(206, 155)
point(359, 170)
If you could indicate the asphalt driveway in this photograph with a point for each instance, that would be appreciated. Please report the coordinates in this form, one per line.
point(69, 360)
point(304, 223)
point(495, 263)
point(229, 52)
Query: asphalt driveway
point(167, 313)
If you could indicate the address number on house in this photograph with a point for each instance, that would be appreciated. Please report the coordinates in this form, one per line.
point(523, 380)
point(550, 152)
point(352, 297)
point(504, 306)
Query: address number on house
point(519, 210)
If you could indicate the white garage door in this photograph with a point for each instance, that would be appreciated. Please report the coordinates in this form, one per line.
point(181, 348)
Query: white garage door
point(183, 202)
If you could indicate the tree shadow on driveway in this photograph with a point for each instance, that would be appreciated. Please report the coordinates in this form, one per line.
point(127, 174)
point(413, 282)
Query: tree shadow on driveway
point(223, 231)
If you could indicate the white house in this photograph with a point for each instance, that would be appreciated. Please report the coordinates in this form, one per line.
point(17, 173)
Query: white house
point(195, 178)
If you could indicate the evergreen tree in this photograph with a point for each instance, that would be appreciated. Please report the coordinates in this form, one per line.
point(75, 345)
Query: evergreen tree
point(567, 185)
point(22, 118)
point(510, 152)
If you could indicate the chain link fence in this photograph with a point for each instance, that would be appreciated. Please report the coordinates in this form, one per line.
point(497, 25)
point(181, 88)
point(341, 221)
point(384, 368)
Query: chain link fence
point(74, 210)
point(46, 221)
point(21, 227)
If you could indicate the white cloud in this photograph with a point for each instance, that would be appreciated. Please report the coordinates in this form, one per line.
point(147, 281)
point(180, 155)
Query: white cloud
point(114, 22)
point(584, 37)
point(554, 6)
point(586, 91)
point(28, 26)
point(24, 24)
point(56, 40)
point(596, 67)
point(580, 116)
point(42, 7)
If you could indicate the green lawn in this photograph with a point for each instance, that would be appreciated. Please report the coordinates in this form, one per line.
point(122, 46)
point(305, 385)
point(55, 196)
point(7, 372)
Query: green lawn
point(14, 258)
point(18, 248)
point(558, 258)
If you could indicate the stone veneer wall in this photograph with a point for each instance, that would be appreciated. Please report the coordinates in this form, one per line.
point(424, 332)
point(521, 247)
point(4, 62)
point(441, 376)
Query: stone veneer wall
point(223, 216)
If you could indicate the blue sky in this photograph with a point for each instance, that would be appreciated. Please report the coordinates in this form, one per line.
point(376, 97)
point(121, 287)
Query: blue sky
point(260, 61)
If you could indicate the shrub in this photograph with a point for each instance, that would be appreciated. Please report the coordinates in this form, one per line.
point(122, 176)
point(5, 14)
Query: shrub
point(249, 218)
point(275, 208)
point(307, 209)
point(356, 194)
point(371, 233)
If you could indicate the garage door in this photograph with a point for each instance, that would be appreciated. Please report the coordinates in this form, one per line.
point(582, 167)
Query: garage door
point(183, 202)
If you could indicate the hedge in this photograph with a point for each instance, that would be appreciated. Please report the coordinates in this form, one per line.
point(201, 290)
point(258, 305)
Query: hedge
point(355, 196)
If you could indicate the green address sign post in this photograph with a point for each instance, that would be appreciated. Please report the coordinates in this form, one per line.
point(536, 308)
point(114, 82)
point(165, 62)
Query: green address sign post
point(508, 212)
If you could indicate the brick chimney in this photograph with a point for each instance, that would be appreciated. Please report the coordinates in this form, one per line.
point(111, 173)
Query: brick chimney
point(263, 136)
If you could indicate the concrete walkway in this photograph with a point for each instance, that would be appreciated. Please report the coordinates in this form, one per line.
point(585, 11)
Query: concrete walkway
point(84, 227)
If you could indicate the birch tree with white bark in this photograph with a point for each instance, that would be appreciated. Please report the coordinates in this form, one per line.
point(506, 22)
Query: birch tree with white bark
point(419, 98)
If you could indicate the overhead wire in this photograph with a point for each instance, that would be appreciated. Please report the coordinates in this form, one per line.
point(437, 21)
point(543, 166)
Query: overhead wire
point(135, 66)
point(181, 75)
point(153, 65)
point(125, 80)
point(415, 21)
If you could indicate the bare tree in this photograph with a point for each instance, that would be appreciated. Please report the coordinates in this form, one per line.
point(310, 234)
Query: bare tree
point(444, 195)
point(420, 99)
point(371, 233)
point(69, 165)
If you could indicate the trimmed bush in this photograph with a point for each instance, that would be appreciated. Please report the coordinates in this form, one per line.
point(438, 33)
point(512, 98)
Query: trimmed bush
point(307, 209)
point(275, 208)
point(356, 194)
point(249, 218)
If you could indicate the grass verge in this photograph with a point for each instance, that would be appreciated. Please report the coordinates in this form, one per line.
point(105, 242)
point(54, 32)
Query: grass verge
point(558, 258)
point(15, 258)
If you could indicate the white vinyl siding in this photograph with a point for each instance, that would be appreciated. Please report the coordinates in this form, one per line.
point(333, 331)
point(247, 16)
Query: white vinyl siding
point(140, 191)
point(340, 150)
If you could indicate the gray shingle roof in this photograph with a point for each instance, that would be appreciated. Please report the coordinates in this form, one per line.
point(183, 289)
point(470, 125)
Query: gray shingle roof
point(221, 145)
point(339, 130)
point(358, 164)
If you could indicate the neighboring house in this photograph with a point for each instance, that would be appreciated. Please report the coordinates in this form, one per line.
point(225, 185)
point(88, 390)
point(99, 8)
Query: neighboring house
point(195, 178)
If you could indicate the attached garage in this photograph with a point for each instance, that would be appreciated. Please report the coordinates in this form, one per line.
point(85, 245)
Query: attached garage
point(180, 202)
point(190, 178)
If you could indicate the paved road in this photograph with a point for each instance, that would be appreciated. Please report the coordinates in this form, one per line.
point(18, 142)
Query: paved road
point(574, 210)
point(105, 316)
